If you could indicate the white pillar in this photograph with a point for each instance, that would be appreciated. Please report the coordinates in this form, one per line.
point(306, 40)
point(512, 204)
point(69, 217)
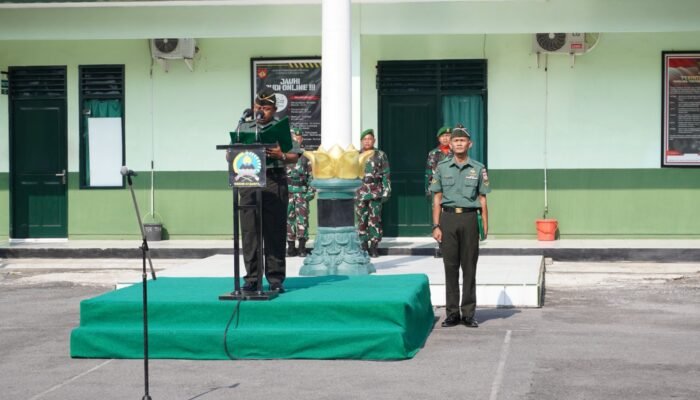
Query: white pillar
point(336, 95)
point(356, 57)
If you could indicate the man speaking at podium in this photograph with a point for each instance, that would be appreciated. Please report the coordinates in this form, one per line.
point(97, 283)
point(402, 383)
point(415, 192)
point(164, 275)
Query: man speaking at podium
point(274, 203)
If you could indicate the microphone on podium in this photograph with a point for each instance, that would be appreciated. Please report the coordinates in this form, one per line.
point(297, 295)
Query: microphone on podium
point(127, 172)
point(247, 113)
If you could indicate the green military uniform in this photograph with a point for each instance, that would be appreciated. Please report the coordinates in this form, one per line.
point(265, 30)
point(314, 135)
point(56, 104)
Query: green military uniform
point(434, 157)
point(300, 193)
point(375, 190)
point(460, 185)
point(274, 204)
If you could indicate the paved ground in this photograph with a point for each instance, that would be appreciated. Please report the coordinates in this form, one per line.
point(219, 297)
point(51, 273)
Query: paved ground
point(607, 331)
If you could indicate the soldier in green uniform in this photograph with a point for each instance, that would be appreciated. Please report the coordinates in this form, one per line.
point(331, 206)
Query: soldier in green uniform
point(460, 185)
point(441, 152)
point(274, 203)
point(375, 190)
point(300, 193)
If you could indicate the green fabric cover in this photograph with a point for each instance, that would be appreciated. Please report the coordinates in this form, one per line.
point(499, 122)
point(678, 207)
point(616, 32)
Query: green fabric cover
point(468, 111)
point(328, 317)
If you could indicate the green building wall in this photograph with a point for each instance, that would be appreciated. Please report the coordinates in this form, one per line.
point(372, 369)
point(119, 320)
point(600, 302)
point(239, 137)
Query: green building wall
point(600, 133)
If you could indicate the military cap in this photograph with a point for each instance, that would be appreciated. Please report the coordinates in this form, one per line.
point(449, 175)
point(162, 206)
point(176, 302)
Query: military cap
point(461, 132)
point(444, 130)
point(266, 97)
point(367, 132)
point(297, 132)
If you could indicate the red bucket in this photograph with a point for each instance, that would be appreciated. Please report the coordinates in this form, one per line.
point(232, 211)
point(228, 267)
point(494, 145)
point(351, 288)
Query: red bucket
point(546, 229)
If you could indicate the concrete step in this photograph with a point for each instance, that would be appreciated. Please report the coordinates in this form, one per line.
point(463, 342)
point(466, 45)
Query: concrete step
point(502, 281)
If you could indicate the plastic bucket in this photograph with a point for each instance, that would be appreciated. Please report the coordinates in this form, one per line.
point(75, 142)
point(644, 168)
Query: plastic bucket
point(154, 232)
point(546, 229)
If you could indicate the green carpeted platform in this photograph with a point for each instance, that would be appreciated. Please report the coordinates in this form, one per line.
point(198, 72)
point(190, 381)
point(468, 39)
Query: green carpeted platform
point(350, 317)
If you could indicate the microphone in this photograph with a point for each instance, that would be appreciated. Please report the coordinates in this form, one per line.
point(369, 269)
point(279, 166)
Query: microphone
point(127, 172)
point(259, 115)
point(247, 113)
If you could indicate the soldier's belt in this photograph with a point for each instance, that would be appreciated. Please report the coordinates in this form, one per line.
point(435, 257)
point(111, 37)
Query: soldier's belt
point(368, 179)
point(458, 210)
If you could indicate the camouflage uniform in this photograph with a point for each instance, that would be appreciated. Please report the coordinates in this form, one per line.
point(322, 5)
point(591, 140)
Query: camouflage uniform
point(434, 157)
point(375, 189)
point(300, 193)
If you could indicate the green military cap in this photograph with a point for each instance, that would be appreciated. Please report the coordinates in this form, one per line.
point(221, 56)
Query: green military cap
point(461, 131)
point(367, 132)
point(266, 97)
point(297, 132)
point(444, 130)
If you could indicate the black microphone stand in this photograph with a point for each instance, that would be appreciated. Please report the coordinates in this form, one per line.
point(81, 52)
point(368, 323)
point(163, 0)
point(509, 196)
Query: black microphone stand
point(144, 255)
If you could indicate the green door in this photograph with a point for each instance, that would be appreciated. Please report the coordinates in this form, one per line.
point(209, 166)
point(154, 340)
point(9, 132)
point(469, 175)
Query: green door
point(416, 98)
point(407, 133)
point(38, 160)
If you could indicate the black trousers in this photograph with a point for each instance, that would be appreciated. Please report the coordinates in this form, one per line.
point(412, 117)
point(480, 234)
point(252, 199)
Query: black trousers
point(275, 197)
point(460, 250)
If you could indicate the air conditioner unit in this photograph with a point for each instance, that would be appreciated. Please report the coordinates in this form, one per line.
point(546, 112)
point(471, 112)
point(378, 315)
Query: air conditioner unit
point(562, 43)
point(173, 49)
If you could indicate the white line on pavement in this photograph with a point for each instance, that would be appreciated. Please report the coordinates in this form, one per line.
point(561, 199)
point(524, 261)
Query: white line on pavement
point(60, 385)
point(498, 379)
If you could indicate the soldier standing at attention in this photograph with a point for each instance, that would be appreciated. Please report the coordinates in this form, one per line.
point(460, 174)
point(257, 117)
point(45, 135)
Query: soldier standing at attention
point(375, 190)
point(460, 185)
point(436, 155)
point(300, 193)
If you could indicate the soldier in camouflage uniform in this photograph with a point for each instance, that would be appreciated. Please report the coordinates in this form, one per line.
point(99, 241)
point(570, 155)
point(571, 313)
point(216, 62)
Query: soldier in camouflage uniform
point(436, 155)
point(300, 193)
point(375, 190)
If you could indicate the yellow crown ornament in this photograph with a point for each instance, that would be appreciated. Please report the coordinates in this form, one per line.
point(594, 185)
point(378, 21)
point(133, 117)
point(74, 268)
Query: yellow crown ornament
point(338, 163)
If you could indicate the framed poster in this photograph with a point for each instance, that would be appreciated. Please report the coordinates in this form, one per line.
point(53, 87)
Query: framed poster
point(680, 141)
point(297, 85)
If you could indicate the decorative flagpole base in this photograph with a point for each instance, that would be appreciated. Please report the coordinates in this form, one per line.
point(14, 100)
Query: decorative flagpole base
point(337, 249)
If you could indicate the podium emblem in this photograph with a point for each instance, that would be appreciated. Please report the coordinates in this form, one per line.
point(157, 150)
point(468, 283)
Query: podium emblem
point(247, 169)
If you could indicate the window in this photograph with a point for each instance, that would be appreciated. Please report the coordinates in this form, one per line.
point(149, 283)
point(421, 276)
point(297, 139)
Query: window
point(101, 126)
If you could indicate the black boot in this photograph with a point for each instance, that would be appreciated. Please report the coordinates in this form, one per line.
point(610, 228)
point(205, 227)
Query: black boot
point(364, 246)
point(302, 247)
point(291, 250)
point(373, 251)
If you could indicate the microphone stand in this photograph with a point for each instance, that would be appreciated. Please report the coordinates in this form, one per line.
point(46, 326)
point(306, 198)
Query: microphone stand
point(144, 255)
point(258, 117)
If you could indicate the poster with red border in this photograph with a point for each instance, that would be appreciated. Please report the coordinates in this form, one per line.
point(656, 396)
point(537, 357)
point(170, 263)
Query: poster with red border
point(681, 109)
point(296, 82)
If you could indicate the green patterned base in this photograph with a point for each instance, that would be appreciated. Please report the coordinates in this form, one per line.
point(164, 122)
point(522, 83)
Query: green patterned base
point(337, 251)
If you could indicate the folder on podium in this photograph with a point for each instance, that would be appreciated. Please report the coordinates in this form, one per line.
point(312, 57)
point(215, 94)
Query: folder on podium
point(277, 133)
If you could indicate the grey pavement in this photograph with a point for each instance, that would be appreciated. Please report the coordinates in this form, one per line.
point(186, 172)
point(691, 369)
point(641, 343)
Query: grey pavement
point(592, 250)
point(606, 331)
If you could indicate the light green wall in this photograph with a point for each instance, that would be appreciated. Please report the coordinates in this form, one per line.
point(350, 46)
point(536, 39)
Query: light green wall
point(392, 17)
point(178, 116)
point(604, 112)
point(603, 123)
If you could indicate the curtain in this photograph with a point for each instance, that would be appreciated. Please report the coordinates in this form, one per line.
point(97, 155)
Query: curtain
point(96, 109)
point(469, 111)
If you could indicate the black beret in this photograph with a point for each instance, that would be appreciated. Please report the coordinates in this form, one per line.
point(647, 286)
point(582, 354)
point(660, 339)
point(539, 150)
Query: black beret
point(266, 97)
